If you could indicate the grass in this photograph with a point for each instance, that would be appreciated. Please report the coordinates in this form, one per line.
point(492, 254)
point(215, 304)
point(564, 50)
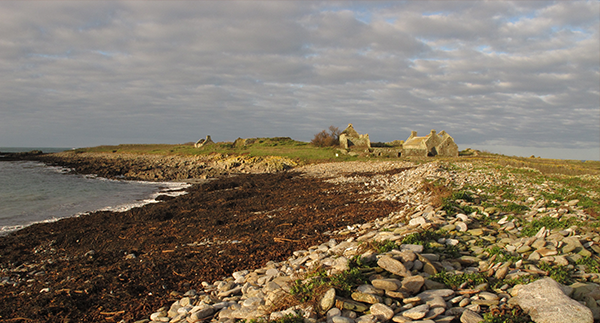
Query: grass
point(505, 314)
point(452, 207)
point(502, 255)
point(591, 265)
point(561, 274)
point(317, 282)
point(454, 281)
point(299, 151)
point(531, 228)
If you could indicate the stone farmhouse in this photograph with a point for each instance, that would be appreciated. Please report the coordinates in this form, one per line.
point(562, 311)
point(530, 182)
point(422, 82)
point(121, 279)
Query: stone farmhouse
point(433, 144)
point(430, 145)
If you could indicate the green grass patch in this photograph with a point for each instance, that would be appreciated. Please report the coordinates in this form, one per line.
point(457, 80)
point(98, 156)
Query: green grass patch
point(591, 264)
point(451, 207)
point(502, 255)
point(316, 283)
point(454, 281)
point(505, 314)
point(531, 228)
point(561, 274)
point(384, 246)
point(299, 151)
point(511, 207)
point(428, 239)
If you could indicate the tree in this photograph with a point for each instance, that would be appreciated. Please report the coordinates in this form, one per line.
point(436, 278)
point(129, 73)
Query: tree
point(327, 139)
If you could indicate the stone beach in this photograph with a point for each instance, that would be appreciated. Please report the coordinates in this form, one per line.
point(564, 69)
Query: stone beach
point(400, 287)
point(426, 259)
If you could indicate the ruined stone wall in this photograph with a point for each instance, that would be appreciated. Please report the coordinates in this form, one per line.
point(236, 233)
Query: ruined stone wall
point(386, 152)
point(448, 148)
point(414, 152)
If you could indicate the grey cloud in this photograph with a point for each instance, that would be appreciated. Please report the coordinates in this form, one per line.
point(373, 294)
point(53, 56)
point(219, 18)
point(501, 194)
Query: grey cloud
point(518, 73)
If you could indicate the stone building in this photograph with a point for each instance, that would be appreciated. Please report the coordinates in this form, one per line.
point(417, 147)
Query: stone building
point(204, 142)
point(350, 139)
point(433, 144)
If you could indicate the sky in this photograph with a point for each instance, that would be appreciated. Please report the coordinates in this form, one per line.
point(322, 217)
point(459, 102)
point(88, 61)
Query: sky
point(518, 78)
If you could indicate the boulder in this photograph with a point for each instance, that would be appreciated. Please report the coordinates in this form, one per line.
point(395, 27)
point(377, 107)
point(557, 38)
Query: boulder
point(545, 302)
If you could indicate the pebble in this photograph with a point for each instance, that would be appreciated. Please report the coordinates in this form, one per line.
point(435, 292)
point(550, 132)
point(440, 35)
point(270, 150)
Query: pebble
point(417, 312)
point(382, 311)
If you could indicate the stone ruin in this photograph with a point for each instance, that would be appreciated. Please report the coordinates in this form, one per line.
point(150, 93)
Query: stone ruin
point(433, 144)
point(430, 145)
point(350, 139)
point(204, 142)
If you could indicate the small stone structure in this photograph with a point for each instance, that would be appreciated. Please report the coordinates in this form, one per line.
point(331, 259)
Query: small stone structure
point(350, 139)
point(433, 144)
point(204, 142)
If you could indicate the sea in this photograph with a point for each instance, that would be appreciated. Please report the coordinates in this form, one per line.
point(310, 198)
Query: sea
point(32, 192)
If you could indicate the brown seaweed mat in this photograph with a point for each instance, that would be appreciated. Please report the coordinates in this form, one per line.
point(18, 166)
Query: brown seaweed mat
point(106, 266)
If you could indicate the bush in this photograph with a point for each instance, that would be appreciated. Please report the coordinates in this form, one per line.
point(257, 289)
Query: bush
point(327, 139)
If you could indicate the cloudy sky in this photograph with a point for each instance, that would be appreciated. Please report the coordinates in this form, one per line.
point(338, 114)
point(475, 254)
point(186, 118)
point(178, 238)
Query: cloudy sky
point(518, 78)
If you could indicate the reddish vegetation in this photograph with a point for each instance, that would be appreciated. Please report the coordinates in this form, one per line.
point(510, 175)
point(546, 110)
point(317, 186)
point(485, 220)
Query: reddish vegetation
point(271, 214)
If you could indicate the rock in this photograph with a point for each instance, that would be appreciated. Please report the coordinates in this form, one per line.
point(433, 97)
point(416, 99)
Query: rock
point(394, 266)
point(461, 226)
point(418, 221)
point(434, 312)
point(545, 252)
point(571, 244)
point(501, 272)
point(333, 312)
point(581, 290)
point(341, 319)
point(401, 319)
point(382, 312)
point(369, 318)
point(545, 302)
point(351, 305)
point(469, 316)
point(534, 256)
point(436, 301)
point(416, 248)
point(387, 284)
point(370, 289)
point(417, 312)
point(476, 232)
point(200, 312)
point(327, 300)
point(429, 294)
point(413, 284)
point(366, 298)
point(488, 296)
point(430, 284)
point(538, 244)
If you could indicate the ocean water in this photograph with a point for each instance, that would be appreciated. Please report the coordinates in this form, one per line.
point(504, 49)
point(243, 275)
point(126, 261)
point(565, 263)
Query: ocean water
point(32, 192)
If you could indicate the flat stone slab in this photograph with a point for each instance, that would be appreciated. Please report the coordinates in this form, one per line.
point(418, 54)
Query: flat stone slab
point(393, 266)
point(545, 302)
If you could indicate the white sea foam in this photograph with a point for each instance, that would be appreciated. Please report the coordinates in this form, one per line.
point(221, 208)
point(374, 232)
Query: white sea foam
point(32, 194)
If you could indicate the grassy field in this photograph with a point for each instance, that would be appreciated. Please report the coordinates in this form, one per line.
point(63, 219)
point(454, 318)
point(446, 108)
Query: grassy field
point(304, 153)
point(573, 179)
point(301, 152)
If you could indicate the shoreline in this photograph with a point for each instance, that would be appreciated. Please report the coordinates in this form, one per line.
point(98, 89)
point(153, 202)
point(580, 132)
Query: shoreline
point(133, 265)
point(160, 191)
point(219, 227)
